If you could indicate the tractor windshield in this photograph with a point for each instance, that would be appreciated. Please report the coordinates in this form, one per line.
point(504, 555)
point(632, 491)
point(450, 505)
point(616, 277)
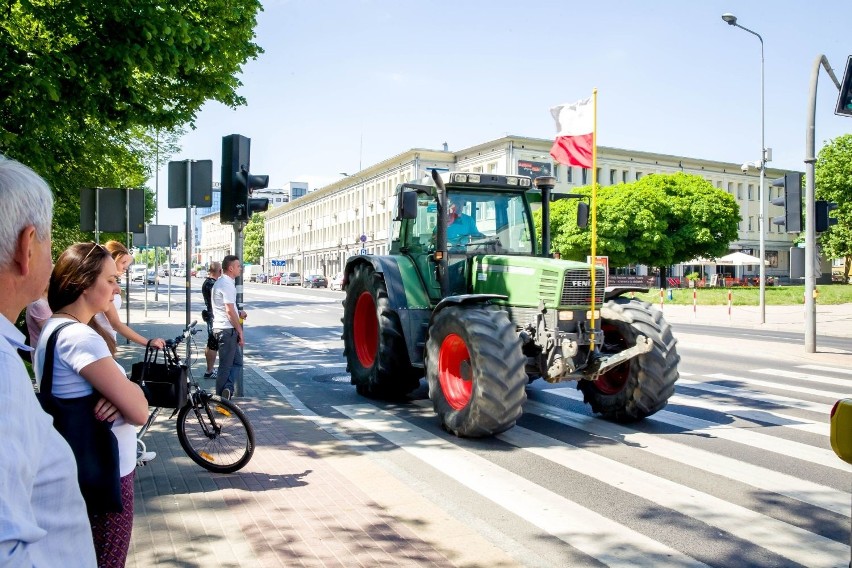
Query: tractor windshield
point(477, 222)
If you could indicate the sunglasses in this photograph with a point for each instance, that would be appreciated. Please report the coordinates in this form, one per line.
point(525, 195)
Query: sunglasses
point(91, 250)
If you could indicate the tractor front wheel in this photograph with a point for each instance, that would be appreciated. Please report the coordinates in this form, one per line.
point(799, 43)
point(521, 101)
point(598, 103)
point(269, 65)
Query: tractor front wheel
point(475, 370)
point(373, 343)
point(642, 385)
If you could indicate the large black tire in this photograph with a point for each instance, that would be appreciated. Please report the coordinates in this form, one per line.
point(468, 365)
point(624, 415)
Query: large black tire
point(475, 370)
point(373, 343)
point(643, 385)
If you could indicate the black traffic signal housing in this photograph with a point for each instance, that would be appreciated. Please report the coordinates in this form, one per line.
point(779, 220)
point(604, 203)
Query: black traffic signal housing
point(844, 100)
point(238, 183)
point(236, 150)
point(822, 221)
point(791, 200)
point(252, 182)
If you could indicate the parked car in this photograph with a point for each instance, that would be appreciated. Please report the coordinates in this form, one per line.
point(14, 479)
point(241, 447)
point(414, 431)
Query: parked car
point(276, 278)
point(137, 272)
point(336, 282)
point(315, 281)
point(261, 277)
point(291, 279)
point(152, 276)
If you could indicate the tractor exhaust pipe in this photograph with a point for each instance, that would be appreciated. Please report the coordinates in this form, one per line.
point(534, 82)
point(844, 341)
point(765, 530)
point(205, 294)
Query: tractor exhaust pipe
point(546, 185)
point(440, 256)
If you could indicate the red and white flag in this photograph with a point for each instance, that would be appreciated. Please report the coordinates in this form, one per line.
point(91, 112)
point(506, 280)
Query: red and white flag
point(575, 124)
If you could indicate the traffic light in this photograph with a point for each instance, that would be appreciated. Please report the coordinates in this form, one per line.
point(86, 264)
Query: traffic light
point(822, 221)
point(844, 101)
point(238, 183)
point(255, 204)
point(235, 157)
point(791, 200)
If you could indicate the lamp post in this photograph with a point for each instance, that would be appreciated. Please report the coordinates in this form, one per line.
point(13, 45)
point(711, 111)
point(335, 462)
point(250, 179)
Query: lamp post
point(731, 20)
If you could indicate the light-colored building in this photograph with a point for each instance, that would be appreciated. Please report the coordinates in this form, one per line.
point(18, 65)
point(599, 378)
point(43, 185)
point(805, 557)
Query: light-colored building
point(217, 240)
point(317, 233)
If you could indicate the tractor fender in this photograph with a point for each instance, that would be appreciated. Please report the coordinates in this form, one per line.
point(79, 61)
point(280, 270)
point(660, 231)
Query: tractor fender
point(465, 299)
point(612, 292)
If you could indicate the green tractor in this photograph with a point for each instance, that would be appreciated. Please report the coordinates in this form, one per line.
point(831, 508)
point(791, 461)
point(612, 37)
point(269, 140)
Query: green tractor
point(464, 299)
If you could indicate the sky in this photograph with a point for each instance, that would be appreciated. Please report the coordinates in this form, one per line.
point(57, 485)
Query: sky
point(345, 84)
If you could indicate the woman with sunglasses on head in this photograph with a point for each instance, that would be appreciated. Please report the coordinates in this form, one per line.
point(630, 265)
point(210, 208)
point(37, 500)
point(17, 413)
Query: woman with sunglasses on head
point(83, 283)
point(109, 319)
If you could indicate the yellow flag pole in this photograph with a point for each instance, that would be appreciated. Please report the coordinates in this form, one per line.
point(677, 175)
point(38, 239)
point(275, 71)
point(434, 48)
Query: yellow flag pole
point(594, 208)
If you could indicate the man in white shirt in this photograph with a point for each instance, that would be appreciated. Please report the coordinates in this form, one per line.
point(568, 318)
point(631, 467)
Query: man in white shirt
point(43, 519)
point(227, 325)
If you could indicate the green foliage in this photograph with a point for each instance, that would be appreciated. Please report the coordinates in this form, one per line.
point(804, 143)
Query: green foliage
point(253, 240)
point(84, 84)
point(657, 221)
point(834, 183)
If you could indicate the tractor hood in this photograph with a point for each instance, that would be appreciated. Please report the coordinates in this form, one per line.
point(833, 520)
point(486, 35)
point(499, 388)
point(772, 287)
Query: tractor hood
point(530, 280)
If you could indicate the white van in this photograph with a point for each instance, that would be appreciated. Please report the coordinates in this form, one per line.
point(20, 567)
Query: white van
point(137, 272)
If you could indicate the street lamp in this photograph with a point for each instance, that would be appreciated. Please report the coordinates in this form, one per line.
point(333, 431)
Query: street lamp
point(731, 20)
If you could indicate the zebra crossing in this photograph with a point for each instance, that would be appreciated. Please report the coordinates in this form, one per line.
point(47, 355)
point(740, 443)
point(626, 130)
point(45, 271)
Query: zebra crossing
point(759, 487)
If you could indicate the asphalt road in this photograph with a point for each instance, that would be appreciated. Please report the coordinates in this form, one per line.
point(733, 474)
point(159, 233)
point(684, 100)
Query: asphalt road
point(736, 471)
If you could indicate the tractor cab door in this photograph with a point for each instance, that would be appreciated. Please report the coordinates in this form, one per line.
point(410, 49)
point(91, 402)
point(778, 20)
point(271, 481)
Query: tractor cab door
point(414, 223)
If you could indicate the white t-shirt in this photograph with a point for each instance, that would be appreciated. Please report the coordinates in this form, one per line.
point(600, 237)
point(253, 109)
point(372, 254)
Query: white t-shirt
point(224, 292)
point(78, 346)
point(102, 320)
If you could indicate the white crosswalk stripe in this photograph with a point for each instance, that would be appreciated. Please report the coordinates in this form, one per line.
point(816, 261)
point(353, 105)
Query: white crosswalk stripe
point(739, 452)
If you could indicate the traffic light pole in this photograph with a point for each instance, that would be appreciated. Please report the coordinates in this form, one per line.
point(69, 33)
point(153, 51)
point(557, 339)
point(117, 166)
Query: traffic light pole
point(238, 251)
point(810, 209)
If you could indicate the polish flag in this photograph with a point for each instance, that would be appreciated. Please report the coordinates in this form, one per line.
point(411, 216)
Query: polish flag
point(574, 133)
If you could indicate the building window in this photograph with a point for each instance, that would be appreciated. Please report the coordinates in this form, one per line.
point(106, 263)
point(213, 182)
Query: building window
point(569, 174)
point(585, 176)
point(638, 176)
point(612, 177)
point(492, 167)
point(623, 176)
point(751, 191)
point(740, 194)
point(751, 223)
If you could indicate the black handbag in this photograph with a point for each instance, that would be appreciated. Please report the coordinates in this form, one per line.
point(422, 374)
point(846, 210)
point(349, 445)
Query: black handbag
point(164, 384)
point(92, 441)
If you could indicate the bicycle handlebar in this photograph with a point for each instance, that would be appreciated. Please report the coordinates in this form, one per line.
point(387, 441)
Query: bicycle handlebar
point(187, 332)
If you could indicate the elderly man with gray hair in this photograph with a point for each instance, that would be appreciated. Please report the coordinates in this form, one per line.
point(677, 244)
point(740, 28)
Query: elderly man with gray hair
point(43, 519)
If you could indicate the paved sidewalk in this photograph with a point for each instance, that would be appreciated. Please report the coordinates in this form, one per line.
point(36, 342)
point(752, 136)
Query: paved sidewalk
point(307, 498)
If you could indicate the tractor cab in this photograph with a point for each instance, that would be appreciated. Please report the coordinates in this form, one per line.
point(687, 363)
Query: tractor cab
point(485, 215)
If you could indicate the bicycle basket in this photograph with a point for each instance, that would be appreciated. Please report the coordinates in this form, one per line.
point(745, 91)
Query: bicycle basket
point(164, 384)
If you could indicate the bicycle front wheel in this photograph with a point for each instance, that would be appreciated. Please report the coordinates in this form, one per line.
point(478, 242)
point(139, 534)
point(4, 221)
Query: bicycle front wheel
point(216, 435)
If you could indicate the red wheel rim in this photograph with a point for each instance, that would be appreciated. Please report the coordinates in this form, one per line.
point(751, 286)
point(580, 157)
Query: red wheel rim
point(614, 380)
point(365, 330)
point(455, 372)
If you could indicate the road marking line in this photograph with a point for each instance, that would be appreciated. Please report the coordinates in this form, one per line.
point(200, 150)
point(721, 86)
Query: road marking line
point(807, 377)
point(817, 407)
point(792, 542)
point(827, 369)
point(730, 468)
point(776, 386)
point(746, 437)
point(599, 537)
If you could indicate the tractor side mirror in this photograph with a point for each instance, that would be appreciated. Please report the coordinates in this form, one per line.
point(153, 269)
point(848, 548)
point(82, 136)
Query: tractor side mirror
point(406, 205)
point(582, 214)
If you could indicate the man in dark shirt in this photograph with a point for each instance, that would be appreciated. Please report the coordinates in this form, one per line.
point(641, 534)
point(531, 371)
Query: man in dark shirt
point(213, 273)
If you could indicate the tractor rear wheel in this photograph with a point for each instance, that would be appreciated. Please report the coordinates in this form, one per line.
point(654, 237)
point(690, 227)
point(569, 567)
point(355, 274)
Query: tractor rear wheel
point(643, 385)
point(373, 343)
point(475, 370)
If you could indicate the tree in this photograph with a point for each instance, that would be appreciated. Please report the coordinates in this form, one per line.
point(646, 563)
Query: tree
point(78, 79)
point(834, 183)
point(253, 242)
point(659, 220)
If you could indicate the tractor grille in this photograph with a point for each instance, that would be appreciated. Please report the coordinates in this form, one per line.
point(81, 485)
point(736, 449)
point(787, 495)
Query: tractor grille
point(548, 285)
point(576, 288)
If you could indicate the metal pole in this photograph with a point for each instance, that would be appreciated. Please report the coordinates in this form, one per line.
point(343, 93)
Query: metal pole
point(810, 196)
point(730, 19)
point(187, 239)
point(126, 270)
point(238, 281)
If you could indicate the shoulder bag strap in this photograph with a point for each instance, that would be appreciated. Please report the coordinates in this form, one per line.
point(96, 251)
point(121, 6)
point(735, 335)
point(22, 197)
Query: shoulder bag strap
point(47, 370)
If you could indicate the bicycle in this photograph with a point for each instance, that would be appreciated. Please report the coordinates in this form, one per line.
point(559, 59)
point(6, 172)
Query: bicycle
point(213, 431)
